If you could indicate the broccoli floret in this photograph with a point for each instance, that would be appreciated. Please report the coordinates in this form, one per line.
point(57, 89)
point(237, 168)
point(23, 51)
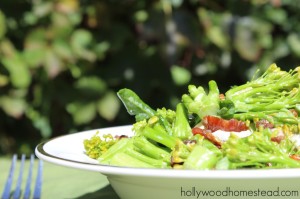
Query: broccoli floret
point(139, 126)
point(259, 151)
point(168, 114)
point(200, 103)
point(181, 127)
point(201, 154)
point(269, 97)
point(96, 146)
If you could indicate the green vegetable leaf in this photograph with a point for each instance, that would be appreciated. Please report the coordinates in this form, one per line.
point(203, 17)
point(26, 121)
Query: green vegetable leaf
point(134, 105)
point(227, 109)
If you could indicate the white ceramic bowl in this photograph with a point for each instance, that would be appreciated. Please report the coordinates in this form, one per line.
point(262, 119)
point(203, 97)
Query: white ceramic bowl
point(139, 183)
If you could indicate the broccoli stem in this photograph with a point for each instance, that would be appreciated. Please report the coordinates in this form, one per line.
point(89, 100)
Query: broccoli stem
point(144, 158)
point(151, 155)
point(201, 158)
point(149, 149)
point(282, 116)
point(209, 145)
point(223, 164)
point(178, 148)
point(261, 159)
point(182, 127)
point(274, 90)
point(258, 151)
point(160, 137)
point(125, 160)
point(119, 146)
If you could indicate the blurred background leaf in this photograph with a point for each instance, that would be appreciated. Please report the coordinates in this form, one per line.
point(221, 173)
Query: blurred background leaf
point(62, 62)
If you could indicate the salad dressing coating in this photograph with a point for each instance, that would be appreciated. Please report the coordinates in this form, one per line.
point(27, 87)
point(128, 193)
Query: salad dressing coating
point(254, 125)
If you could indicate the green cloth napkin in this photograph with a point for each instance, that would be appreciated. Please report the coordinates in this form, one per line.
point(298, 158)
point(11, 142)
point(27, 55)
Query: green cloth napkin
point(62, 182)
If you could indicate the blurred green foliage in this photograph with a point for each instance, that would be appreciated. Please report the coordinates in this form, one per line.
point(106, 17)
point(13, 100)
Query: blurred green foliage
point(62, 61)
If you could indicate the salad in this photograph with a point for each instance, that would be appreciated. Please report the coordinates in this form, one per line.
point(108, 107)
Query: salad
point(254, 125)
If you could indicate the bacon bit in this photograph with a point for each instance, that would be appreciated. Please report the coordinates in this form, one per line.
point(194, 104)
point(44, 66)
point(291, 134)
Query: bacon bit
point(190, 144)
point(294, 112)
point(197, 130)
point(264, 124)
point(222, 96)
point(214, 139)
point(214, 123)
point(277, 139)
point(208, 135)
point(187, 142)
point(268, 164)
point(176, 161)
point(121, 136)
point(295, 157)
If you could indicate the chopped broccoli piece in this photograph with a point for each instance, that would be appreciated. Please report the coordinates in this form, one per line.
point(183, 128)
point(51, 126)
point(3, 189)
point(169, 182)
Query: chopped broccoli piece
point(96, 146)
point(259, 151)
point(118, 147)
point(126, 160)
point(267, 97)
point(168, 114)
point(181, 128)
point(201, 158)
point(200, 103)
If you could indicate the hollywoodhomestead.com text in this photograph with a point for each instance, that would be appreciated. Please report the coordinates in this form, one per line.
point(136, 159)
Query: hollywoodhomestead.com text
point(228, 192)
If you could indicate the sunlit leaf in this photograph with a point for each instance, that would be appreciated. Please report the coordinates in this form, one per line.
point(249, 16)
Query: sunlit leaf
point(245, 42)
point(108, 107)
point(60, 20)
point(40, 122)
point(205, 68)
point(226, 59)
point(12, 106)
point(30, 18)
point(218, 37)
point(101, 49)
point(180, 75)
point(3, 80)
point(34, 57)
point(277, 15)
point(53, 64)
point(37, 37)
point(82, 113)
point(19, 73)
point(213, 26)
point(2, 25)
point(75, 71)
point(176, 3)
point(43, 8)
point(35, 48)
point(80, 41)
point(7, 48)
point(91, 84)
point(281, 48)
point(63, 50)
point(67, 6)
point(294, 43)
point(141, 16)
